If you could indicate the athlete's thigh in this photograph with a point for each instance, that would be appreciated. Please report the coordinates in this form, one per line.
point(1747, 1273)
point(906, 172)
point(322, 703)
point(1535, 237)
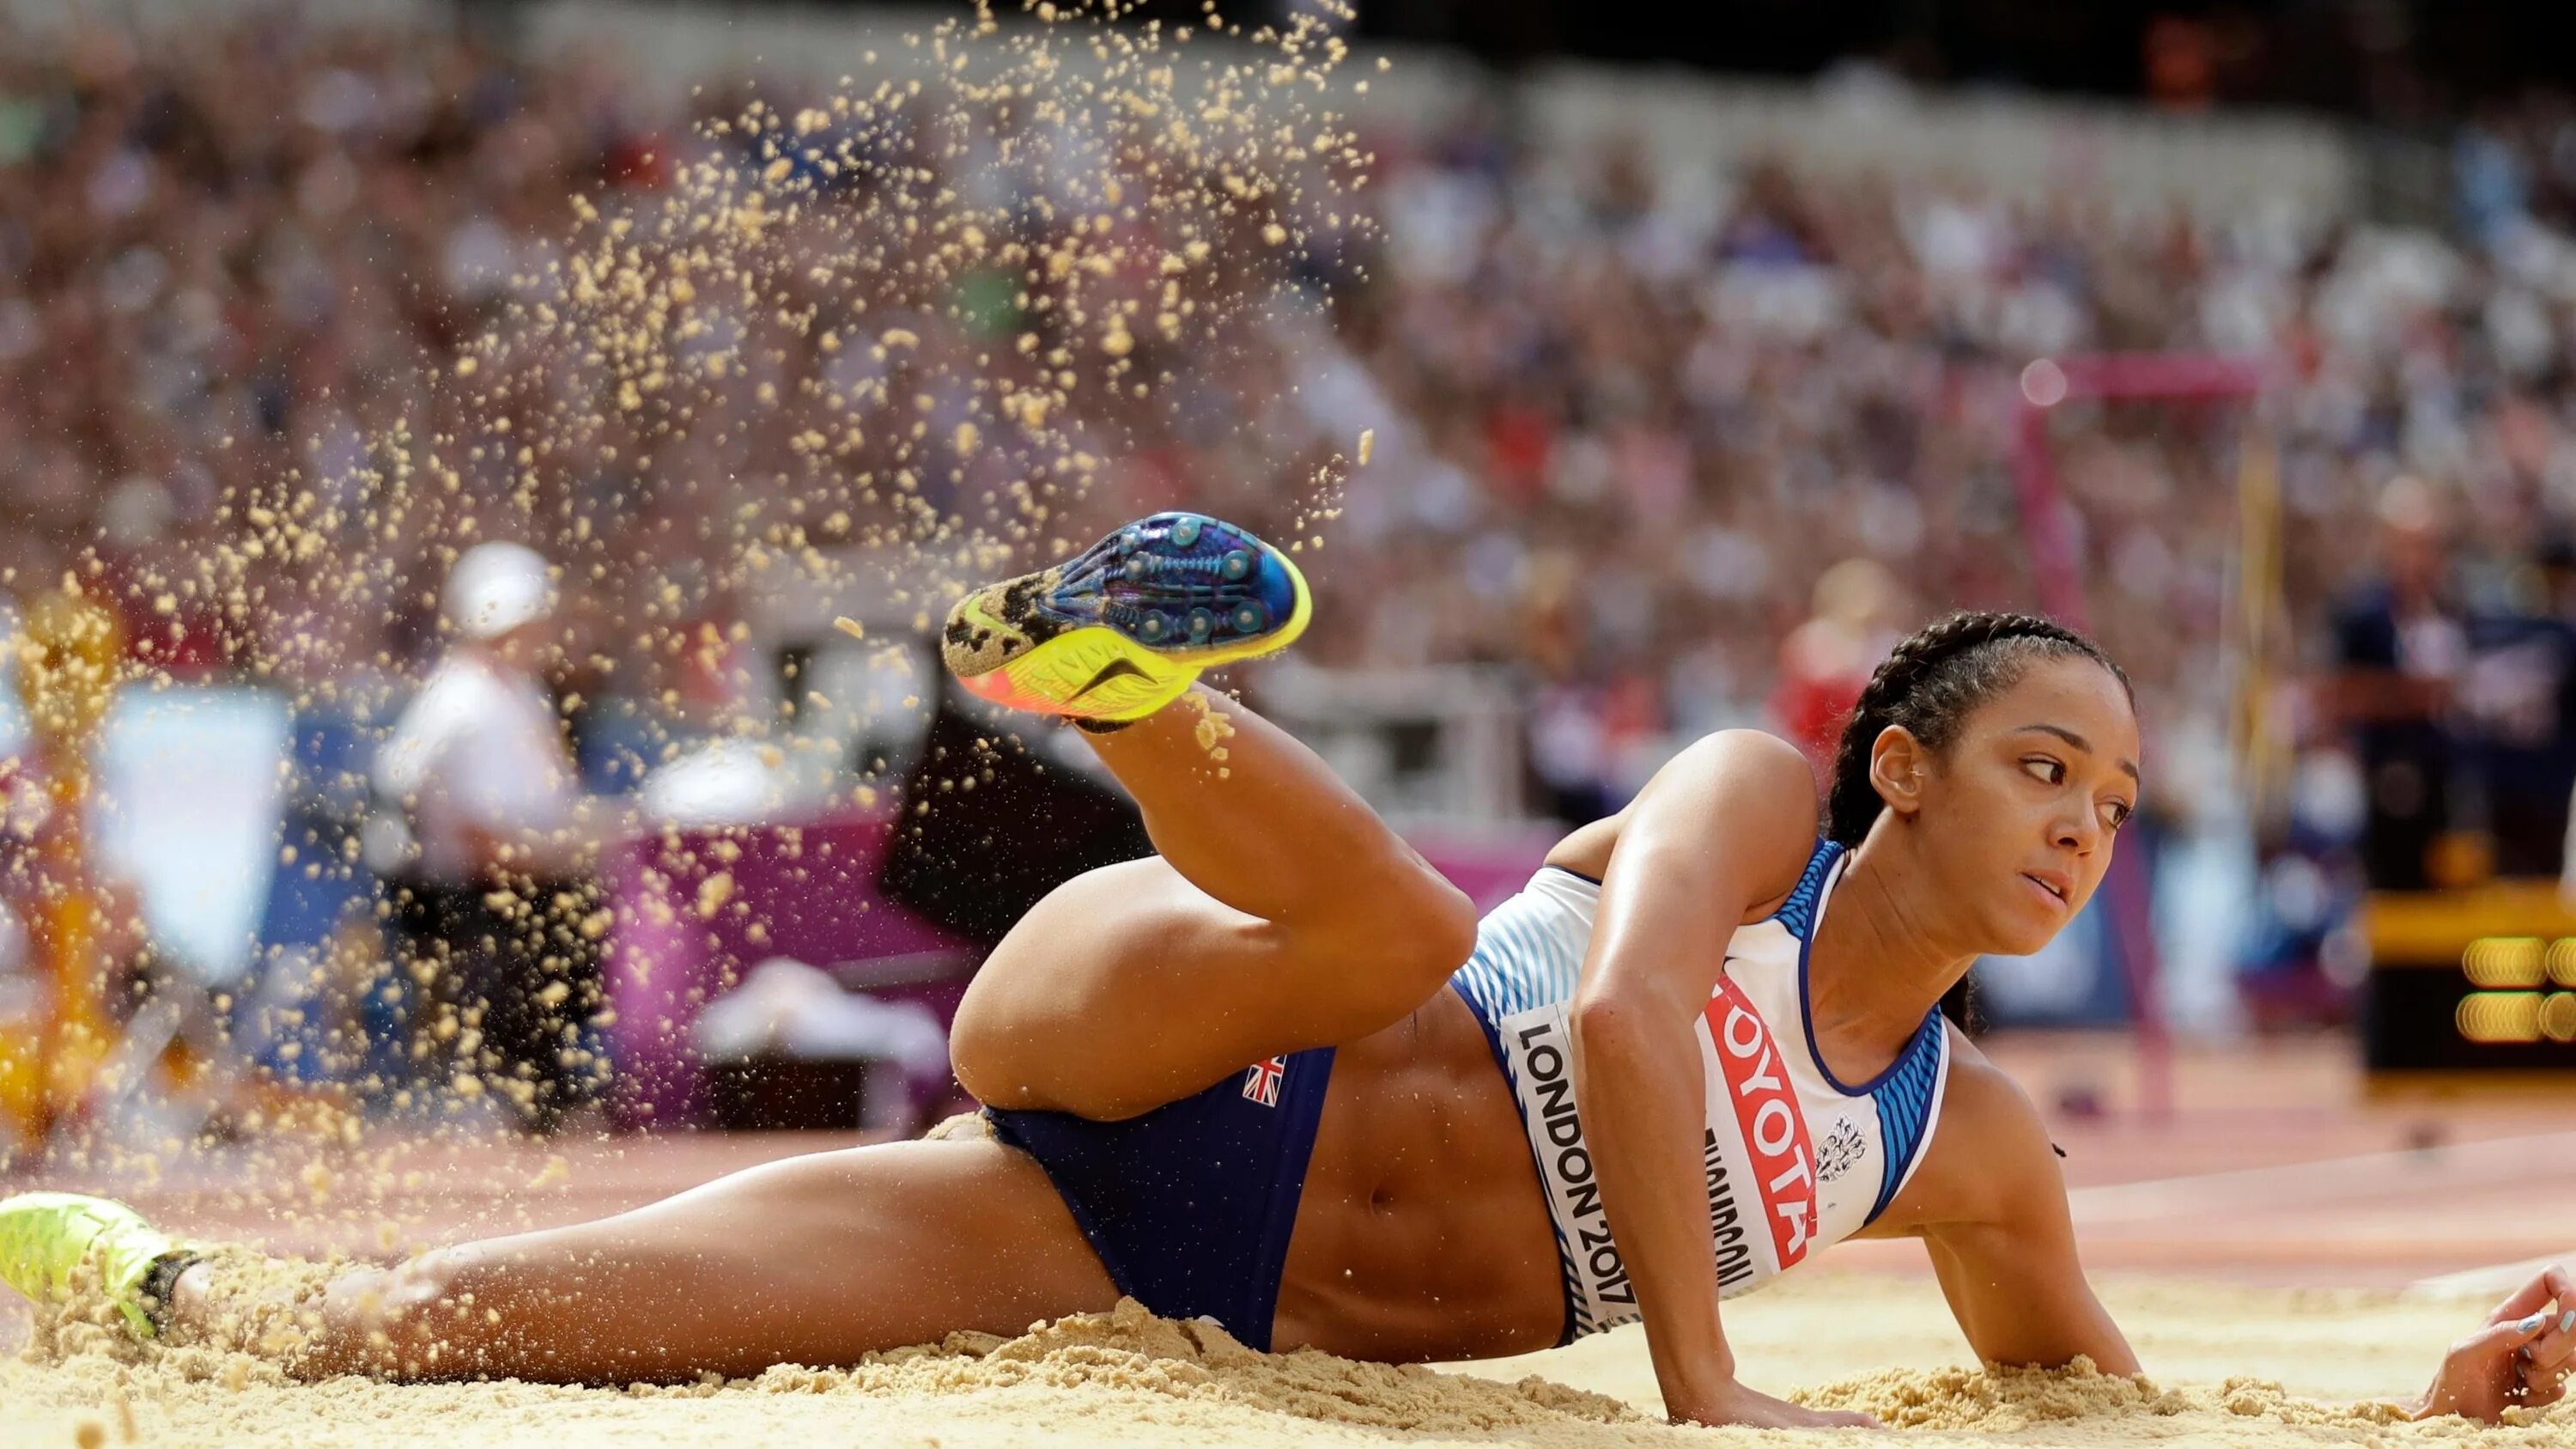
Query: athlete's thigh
point(816, 1260)
point(1128, 987)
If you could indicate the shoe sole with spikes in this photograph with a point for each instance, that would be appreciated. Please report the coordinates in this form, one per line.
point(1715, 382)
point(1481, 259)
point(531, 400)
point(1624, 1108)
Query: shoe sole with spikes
point(1119, 631)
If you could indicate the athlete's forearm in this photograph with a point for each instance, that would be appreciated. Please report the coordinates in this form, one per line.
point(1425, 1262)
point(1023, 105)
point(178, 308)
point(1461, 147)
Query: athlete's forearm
point(1639, 1076)
point(1704, 842)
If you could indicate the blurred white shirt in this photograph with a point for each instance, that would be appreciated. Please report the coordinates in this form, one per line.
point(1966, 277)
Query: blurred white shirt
point(477, 748)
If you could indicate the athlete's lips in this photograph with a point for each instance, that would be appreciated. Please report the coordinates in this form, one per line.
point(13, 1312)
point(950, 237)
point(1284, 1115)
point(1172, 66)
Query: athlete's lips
point(2057, 885)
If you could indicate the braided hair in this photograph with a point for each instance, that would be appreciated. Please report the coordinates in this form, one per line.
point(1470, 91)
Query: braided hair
point(1929, 684)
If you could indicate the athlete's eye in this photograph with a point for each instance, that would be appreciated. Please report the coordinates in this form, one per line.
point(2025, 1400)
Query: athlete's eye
point(2045, 770)
point(2118, 813)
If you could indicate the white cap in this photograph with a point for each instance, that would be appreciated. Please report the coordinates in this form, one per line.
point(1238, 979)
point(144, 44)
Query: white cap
point(496, 587)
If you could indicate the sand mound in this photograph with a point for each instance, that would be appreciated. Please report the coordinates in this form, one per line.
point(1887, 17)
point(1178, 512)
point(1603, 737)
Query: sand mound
point(2081, 1404)
point(1089, 1377)
point(1126, 1352)
point(1130, 1379)
point(1995, 1401)
point(1130, 1351)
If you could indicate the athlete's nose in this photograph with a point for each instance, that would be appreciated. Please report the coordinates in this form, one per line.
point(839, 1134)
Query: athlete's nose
point(2078, 831)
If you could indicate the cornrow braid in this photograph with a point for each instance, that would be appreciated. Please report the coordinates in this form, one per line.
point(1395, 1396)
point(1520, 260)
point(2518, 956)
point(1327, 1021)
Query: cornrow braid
point(1929, 684)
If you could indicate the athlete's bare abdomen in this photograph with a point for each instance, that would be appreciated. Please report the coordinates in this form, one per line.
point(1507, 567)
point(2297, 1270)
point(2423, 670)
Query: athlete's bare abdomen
point(1422, 1234)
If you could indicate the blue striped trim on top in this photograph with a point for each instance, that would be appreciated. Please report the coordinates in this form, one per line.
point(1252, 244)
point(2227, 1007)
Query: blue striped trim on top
point(1903, 1097)
point(1798, 912)
point(1903, 1093)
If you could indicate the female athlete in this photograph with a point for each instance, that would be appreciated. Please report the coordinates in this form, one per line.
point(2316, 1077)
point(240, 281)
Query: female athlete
point(1279, 1074)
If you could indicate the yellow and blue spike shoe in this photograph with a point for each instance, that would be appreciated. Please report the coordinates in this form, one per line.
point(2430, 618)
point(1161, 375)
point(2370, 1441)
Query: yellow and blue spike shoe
point(44, 1236)
point(1121, 630)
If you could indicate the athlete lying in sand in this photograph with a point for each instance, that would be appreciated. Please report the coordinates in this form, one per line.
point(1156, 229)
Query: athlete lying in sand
point(1280, 1075)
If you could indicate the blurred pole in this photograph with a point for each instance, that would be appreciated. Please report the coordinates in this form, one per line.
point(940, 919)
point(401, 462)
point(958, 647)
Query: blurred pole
point(2127, 893)
point(2259, 609)
point(2047, 529)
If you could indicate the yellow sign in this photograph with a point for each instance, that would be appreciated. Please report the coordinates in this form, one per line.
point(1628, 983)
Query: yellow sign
point(2432, 928)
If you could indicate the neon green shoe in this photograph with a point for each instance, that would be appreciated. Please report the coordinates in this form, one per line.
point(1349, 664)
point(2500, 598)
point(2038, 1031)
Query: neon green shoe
point(45, 1235)
point(1120, 631)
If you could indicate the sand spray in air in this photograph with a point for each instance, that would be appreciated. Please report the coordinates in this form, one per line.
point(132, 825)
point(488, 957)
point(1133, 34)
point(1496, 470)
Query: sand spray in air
point(863, 346)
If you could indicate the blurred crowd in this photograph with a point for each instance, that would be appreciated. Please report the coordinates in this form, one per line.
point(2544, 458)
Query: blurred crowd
point(1627, 423)
point(1655, 411)
point(225, 259)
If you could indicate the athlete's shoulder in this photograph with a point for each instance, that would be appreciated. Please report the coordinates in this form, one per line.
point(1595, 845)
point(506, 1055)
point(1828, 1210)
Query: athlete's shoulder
point(1762, 779)
point(1756, 754)
point(1739, 803)
point(1764, 804)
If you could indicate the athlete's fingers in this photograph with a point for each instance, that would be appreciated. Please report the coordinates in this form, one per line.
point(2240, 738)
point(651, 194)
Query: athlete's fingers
point(2533, 1296)
point(2543, 1387)
point(2546, 1356)
point(2556, 1349)
point(2561, 1284)
point(2556, 1343)
point(2502, 1338)
point(2552, 1358)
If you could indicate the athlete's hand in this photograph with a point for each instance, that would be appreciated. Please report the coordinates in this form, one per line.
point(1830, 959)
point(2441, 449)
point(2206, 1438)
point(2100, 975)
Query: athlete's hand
point(1733, 1403)
point(2520, 1359)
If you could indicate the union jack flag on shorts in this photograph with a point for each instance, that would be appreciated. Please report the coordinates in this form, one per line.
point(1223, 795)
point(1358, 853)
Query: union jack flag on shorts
point(1261, 1080)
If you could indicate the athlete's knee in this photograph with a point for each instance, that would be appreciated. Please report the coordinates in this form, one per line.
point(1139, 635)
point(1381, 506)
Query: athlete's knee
point(1449, 932)
point(1426, 930)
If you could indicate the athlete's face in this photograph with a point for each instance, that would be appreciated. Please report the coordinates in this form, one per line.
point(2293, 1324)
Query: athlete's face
point(2023, 807)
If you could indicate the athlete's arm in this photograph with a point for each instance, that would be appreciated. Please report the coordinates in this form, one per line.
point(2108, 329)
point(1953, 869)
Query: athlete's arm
point(1990, 1204)
point(1724, 828)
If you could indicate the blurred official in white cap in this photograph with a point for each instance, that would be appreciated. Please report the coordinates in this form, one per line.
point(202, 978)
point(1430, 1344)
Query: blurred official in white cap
point(497, 588)
point(481, 780)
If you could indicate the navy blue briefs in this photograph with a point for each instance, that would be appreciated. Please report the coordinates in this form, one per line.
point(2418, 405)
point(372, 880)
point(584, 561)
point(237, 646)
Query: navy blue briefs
point(1190, 1205)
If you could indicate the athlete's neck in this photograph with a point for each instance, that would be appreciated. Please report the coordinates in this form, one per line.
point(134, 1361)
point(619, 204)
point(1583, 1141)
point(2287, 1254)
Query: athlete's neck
point(1878, 961)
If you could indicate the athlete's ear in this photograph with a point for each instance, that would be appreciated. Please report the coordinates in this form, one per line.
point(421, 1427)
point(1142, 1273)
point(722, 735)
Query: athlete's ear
point(1897, 764)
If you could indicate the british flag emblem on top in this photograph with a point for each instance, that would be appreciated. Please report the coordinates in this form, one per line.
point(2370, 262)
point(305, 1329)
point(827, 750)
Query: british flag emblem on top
point(1261, 1080)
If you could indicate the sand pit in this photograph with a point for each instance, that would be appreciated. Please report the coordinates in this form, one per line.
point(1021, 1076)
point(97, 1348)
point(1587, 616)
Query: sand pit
point(2235, 1366)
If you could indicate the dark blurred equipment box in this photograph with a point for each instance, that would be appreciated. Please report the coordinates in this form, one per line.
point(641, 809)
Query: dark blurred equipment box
point(772, 1093)
point(2481, 979)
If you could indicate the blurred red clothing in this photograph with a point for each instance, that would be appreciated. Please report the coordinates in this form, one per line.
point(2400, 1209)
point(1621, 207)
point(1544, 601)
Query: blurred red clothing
point(1823, 668)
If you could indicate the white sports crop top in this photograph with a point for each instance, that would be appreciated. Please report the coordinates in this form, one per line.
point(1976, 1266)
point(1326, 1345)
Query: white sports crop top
point(1795, 1159)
